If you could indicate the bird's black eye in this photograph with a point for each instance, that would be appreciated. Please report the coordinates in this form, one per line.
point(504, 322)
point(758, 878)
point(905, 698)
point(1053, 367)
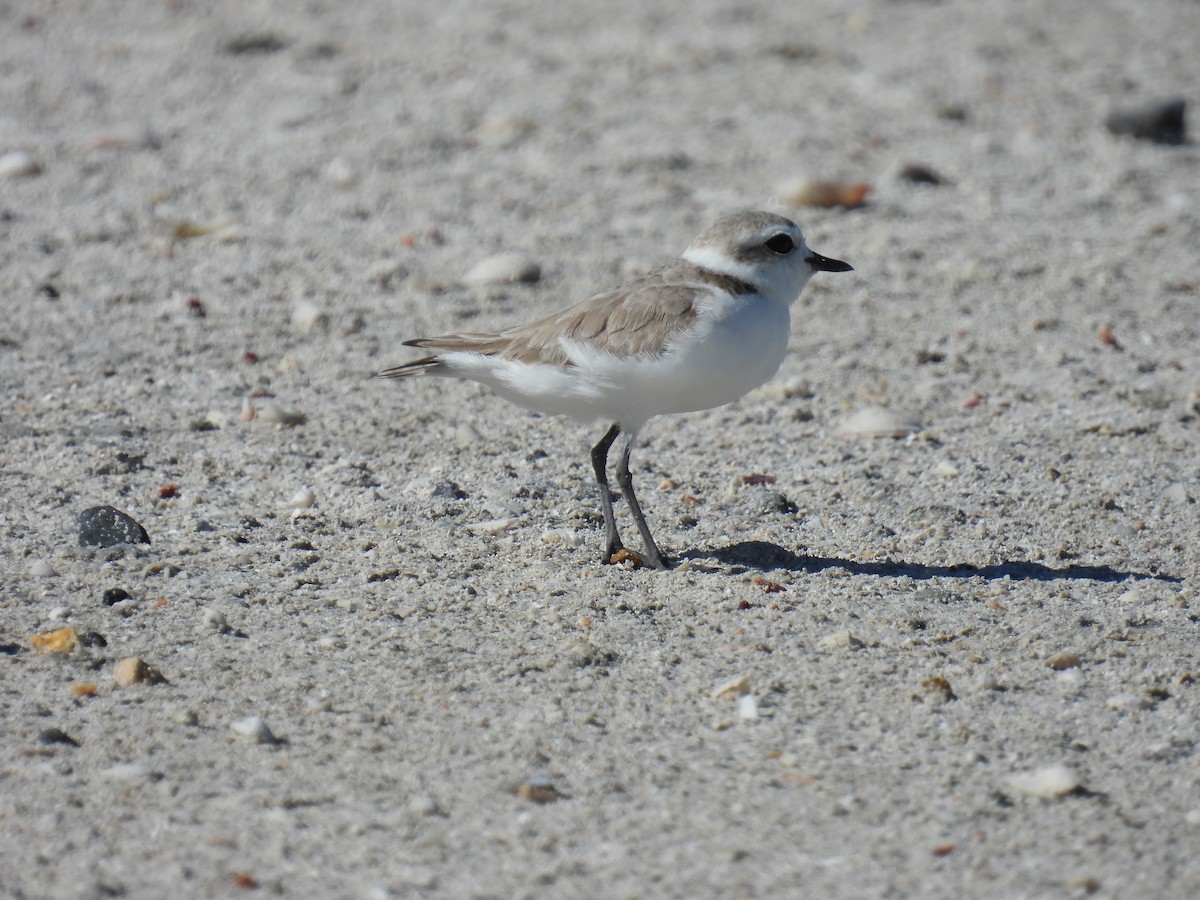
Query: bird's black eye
point(781, 244)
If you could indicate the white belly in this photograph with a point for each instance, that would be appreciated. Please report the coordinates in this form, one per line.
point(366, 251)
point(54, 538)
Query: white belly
point(716, 364)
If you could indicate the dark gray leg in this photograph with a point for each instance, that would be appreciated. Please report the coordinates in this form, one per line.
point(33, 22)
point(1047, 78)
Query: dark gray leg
point(612, 541)
point(625, 480)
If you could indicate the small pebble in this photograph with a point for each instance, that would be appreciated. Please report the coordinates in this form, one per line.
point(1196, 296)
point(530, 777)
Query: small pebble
point(424, 806)
point(1084, 884)
point(340, 172)
point(563, 537)
point(1065, 660)
point(936, 690)
point(747, 707)
point(115, 595)
point(303, 499)
point(318, 705)
point(824, 194)
point(878, 422)
point(308, 317)
point(225, 228)
point(133, 670)
point(538, 789)
point(59, 613)
point(124, 607)
point(920, 174)
point(945, 469)
point(1049, 783)
point(794, 387)
point(276, 415)
point(986, 683)
point(255, 43)
point(1162, 122)
point(840, 640)
point(18, 164)
point(503, 268)
point(215, 620)
point(42, 568)
point(104, 526)
point(57, 736)
point(254, 728)
point(1135, 596)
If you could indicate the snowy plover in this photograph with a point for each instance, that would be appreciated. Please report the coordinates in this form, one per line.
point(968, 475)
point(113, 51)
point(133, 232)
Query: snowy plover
point(697, 333)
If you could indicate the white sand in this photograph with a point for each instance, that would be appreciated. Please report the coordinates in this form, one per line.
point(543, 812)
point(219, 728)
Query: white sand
point(911, 739)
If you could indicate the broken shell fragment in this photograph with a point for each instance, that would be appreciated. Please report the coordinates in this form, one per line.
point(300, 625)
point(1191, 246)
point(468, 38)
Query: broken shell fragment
point(62, 641)
point(1049, 783)
point(503, 268)
point(878, 422)
point(825, 194)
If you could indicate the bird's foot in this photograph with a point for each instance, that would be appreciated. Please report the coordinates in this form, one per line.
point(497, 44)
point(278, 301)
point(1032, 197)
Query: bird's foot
point(639, 561)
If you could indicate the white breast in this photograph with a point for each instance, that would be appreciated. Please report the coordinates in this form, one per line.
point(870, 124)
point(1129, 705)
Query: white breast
point(737, 344)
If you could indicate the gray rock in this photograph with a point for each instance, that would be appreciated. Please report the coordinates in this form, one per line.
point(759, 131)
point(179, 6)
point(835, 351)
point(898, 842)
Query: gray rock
point(1162, 122)
point(104, 526)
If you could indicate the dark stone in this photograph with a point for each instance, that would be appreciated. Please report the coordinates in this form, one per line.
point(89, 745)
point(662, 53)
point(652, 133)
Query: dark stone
point(56, 736)
point(93, 639)
point(103, 526)
point(255, 44)
point(920, 174)
point(115, 595)
point(1161, 122)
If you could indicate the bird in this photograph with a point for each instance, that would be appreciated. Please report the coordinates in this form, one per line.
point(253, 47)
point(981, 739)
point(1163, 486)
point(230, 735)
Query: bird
point(693, 334)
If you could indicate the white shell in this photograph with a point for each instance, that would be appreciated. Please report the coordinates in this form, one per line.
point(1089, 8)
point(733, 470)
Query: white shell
point(503, 268)
point(18, 164)
point(1049, 783)
point(255, 728)
point(878, 422)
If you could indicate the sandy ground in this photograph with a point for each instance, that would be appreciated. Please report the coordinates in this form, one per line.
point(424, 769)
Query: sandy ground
point(972, 655)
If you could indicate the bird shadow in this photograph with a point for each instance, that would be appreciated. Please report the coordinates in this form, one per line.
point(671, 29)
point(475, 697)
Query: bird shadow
point(765, 555)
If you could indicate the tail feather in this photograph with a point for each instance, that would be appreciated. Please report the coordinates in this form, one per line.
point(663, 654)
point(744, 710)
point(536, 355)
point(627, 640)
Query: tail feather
point(485, 344)
point(416, 367)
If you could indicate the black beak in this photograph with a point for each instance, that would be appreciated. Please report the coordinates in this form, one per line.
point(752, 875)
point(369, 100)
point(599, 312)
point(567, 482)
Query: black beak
point(825, 264)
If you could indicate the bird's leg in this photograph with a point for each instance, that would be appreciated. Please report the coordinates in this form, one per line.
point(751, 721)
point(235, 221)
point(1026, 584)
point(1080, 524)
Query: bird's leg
point(625, 480)
point(612, 541)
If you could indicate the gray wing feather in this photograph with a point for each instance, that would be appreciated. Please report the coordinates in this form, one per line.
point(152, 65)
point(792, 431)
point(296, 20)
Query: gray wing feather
point(639, 319)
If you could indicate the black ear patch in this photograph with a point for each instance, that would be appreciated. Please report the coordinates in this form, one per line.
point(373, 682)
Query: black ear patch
point(781, 244)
